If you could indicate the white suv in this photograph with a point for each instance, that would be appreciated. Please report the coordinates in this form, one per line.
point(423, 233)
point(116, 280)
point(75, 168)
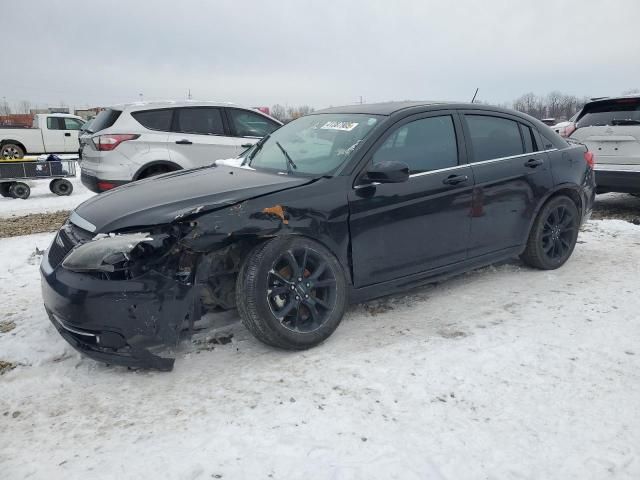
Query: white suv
point(610, 128)
point(129, 142)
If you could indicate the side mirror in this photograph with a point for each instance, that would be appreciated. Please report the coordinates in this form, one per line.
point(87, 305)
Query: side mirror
point(388, 172)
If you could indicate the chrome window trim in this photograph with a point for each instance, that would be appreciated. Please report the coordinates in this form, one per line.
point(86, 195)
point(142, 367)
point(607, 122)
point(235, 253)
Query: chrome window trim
point(439, 170)
point(78, 221)
point(500, 159)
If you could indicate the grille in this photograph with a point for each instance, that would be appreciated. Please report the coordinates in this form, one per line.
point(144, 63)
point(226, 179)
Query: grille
point(68, 237)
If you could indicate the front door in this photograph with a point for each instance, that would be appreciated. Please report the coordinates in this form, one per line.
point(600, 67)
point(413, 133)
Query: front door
point(511, 173)
point(411, 227)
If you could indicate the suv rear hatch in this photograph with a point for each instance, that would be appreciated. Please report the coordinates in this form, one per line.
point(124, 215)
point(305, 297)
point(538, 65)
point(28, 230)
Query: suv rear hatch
point(105, 119)
point(610, 128)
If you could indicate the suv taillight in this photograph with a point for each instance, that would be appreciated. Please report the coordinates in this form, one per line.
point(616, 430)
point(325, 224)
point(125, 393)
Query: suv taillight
point(590, 158)
point(105, 143)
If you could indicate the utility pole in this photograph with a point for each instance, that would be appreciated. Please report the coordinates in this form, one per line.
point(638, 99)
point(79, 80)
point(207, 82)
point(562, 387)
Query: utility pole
point(141, 97)
point(360, 99)
point(189, 95)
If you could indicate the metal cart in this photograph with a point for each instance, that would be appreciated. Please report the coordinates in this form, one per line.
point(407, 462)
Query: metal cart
point(11, 174)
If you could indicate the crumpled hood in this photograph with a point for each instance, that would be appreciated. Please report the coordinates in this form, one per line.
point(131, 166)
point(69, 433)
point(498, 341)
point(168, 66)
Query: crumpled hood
point(160, 200)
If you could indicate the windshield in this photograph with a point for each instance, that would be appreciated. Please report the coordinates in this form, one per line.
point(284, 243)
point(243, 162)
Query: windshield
point(312, 145)
point(624, 111)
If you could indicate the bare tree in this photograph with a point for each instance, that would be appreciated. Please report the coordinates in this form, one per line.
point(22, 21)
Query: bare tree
point(279, 112)
point(5, 109)
point(631, 91)
point(24, 106)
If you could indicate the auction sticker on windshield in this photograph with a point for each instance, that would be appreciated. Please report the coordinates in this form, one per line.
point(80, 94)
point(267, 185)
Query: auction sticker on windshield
point(344, 126)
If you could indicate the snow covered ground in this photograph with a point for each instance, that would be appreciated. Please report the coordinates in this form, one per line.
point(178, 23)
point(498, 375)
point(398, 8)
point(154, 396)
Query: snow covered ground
point(42, 200)
point(506, 372)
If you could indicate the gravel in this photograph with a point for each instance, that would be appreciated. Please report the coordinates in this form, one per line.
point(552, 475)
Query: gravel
point(32, 223)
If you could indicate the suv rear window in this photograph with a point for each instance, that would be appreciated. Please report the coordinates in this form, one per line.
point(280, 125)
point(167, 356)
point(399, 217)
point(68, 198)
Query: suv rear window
point(622, 111)
point(154, 119)
point(104, 119)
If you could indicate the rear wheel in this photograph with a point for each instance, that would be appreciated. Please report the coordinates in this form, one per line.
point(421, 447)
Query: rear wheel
point(11, 151)
point(554, 234)
point(154, 171)
point(291, 293)
point(19, 190)
point(61, 186)
point(4, 189)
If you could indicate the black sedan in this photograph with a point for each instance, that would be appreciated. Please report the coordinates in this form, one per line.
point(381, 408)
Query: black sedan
point(338, 206)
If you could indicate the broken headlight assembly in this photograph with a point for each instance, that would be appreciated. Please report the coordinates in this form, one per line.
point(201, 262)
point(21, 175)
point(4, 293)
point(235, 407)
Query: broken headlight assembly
point(129, 255)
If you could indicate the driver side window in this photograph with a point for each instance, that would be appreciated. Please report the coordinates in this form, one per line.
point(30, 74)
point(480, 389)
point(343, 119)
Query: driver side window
point(424, 145)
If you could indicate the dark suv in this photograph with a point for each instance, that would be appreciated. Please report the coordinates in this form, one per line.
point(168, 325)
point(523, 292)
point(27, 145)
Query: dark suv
point(338, 206)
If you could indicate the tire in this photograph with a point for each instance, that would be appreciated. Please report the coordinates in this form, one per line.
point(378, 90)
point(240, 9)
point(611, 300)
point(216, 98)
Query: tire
point(303, 313)
point(553, 235)
point(11, 151)
point(4, 189)
point(19, 190)
point(61, 187)
point(154, 171)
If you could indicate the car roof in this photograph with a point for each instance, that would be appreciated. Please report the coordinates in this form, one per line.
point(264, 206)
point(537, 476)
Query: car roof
point(409, 107)
point(135, 106)
point(608, 99)
point(384, 108)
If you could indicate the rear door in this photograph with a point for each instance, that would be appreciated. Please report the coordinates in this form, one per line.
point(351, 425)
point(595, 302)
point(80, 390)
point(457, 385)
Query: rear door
point(512, 175)
point(248, 127)
point(400, 229)
point(53, 134)
point(199, 137)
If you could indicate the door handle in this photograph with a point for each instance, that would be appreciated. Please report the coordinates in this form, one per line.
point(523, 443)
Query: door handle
point(533, 163)
point(247, 145)
point(455, 179)
point(184, 141)
point(67, 134)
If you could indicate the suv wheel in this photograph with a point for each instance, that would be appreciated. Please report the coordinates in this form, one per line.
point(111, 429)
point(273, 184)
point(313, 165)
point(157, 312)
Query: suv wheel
point(291, 293)
point(554, 234)
point(154, 170)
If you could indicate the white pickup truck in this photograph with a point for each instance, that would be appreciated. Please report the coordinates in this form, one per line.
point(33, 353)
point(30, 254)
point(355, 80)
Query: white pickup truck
point(50, 133)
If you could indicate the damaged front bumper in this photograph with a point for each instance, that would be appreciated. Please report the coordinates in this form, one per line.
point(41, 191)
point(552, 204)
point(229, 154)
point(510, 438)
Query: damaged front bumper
point(118, 321)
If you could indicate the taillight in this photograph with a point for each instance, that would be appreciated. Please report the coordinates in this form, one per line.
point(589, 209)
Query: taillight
point(590, 158)
point(105, 143)
point(568, 130)
point(102, 186)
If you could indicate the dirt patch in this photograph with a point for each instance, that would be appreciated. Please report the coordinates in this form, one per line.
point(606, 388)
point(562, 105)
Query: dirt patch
point(619, 206)
point(7, 326)
point(6, 366)
point(32, 223)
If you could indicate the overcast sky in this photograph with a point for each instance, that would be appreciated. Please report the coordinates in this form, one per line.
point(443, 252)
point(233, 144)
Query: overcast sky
point(315, 52)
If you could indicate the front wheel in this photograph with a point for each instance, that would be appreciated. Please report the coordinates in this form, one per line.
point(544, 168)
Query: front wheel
point(291, 293)
point(554, 234)
point(19, 190)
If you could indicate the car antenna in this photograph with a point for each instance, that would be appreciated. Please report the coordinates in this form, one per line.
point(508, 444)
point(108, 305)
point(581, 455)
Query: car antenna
point(474, 96)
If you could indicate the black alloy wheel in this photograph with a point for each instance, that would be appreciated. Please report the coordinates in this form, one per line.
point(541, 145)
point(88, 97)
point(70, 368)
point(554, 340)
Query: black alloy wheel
point(301, 289)
point(291, 292)
point(554, 234)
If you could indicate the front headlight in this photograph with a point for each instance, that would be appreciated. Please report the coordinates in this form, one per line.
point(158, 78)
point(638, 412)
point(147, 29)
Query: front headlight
point(117, 252)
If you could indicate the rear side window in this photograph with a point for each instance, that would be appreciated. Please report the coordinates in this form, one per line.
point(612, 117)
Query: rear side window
point(493, 137)
point(55, 123)
point(250, 124)
point(105, 119)
point(529, 139)
point(72, 124)
point(424, 145)
point(202, 121)
point(154, 119)
point(623, 111)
